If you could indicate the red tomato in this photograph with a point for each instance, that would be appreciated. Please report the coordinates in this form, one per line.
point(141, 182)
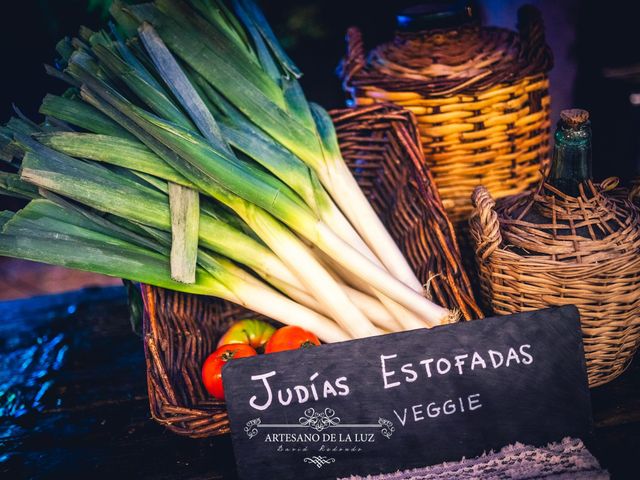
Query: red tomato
point(290, 338)
point(250, 332)
point(212, 367)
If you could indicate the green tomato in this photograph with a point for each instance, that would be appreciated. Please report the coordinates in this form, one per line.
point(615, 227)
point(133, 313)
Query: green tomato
point(248, 332)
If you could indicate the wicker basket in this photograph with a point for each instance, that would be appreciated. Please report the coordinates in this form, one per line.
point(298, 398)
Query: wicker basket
point(548, 249)
point(480, 96)
point(380, 144)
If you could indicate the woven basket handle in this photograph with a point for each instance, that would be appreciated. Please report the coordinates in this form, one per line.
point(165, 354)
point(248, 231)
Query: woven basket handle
point(634, 194)
point(484, 224)
point(534, 43)
point(354, 60)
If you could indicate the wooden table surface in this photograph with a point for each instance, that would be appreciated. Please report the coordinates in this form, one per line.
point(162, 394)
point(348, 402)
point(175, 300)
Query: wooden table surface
point(73, 400)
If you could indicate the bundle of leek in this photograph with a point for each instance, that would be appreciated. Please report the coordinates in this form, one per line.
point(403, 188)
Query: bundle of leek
point(185, 155)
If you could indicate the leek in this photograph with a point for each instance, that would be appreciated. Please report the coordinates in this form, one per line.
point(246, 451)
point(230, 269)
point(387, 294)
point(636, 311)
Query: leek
point(189, 144)
point(301, 139)
point(212, 165)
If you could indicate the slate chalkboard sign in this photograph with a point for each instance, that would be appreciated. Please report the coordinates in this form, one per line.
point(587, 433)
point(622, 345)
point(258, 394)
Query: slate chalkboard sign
point(409, 399)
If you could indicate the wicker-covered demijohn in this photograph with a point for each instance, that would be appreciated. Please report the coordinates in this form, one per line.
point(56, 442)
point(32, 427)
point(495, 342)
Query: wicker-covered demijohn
point(480, 96)
point(380, 144)
point(549, 249)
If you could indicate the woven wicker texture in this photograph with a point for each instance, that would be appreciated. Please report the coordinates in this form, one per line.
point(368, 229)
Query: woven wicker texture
point(547, 249)
point(480, 96)
point(380, 144)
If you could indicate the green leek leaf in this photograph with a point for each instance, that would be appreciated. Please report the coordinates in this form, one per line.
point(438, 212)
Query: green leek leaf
point(82, 115)
point(185, 214)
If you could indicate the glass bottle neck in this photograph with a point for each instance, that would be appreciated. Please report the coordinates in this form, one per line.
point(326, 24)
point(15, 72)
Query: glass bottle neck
point(571, 161)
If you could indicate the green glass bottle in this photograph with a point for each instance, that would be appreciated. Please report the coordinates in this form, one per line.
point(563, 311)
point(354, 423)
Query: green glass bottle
point(571, 160)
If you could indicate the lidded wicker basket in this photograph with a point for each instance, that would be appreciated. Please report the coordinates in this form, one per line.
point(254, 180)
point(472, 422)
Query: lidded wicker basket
point(380, 145)
point(480, 96)
point(549, 249)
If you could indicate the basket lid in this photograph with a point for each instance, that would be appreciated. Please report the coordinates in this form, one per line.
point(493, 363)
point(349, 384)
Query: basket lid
point(468, 53)
point(596, 225)
point(439, 51)
point(437, 14)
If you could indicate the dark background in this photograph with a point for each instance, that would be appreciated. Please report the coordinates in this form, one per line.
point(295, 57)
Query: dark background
point(588, 39)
